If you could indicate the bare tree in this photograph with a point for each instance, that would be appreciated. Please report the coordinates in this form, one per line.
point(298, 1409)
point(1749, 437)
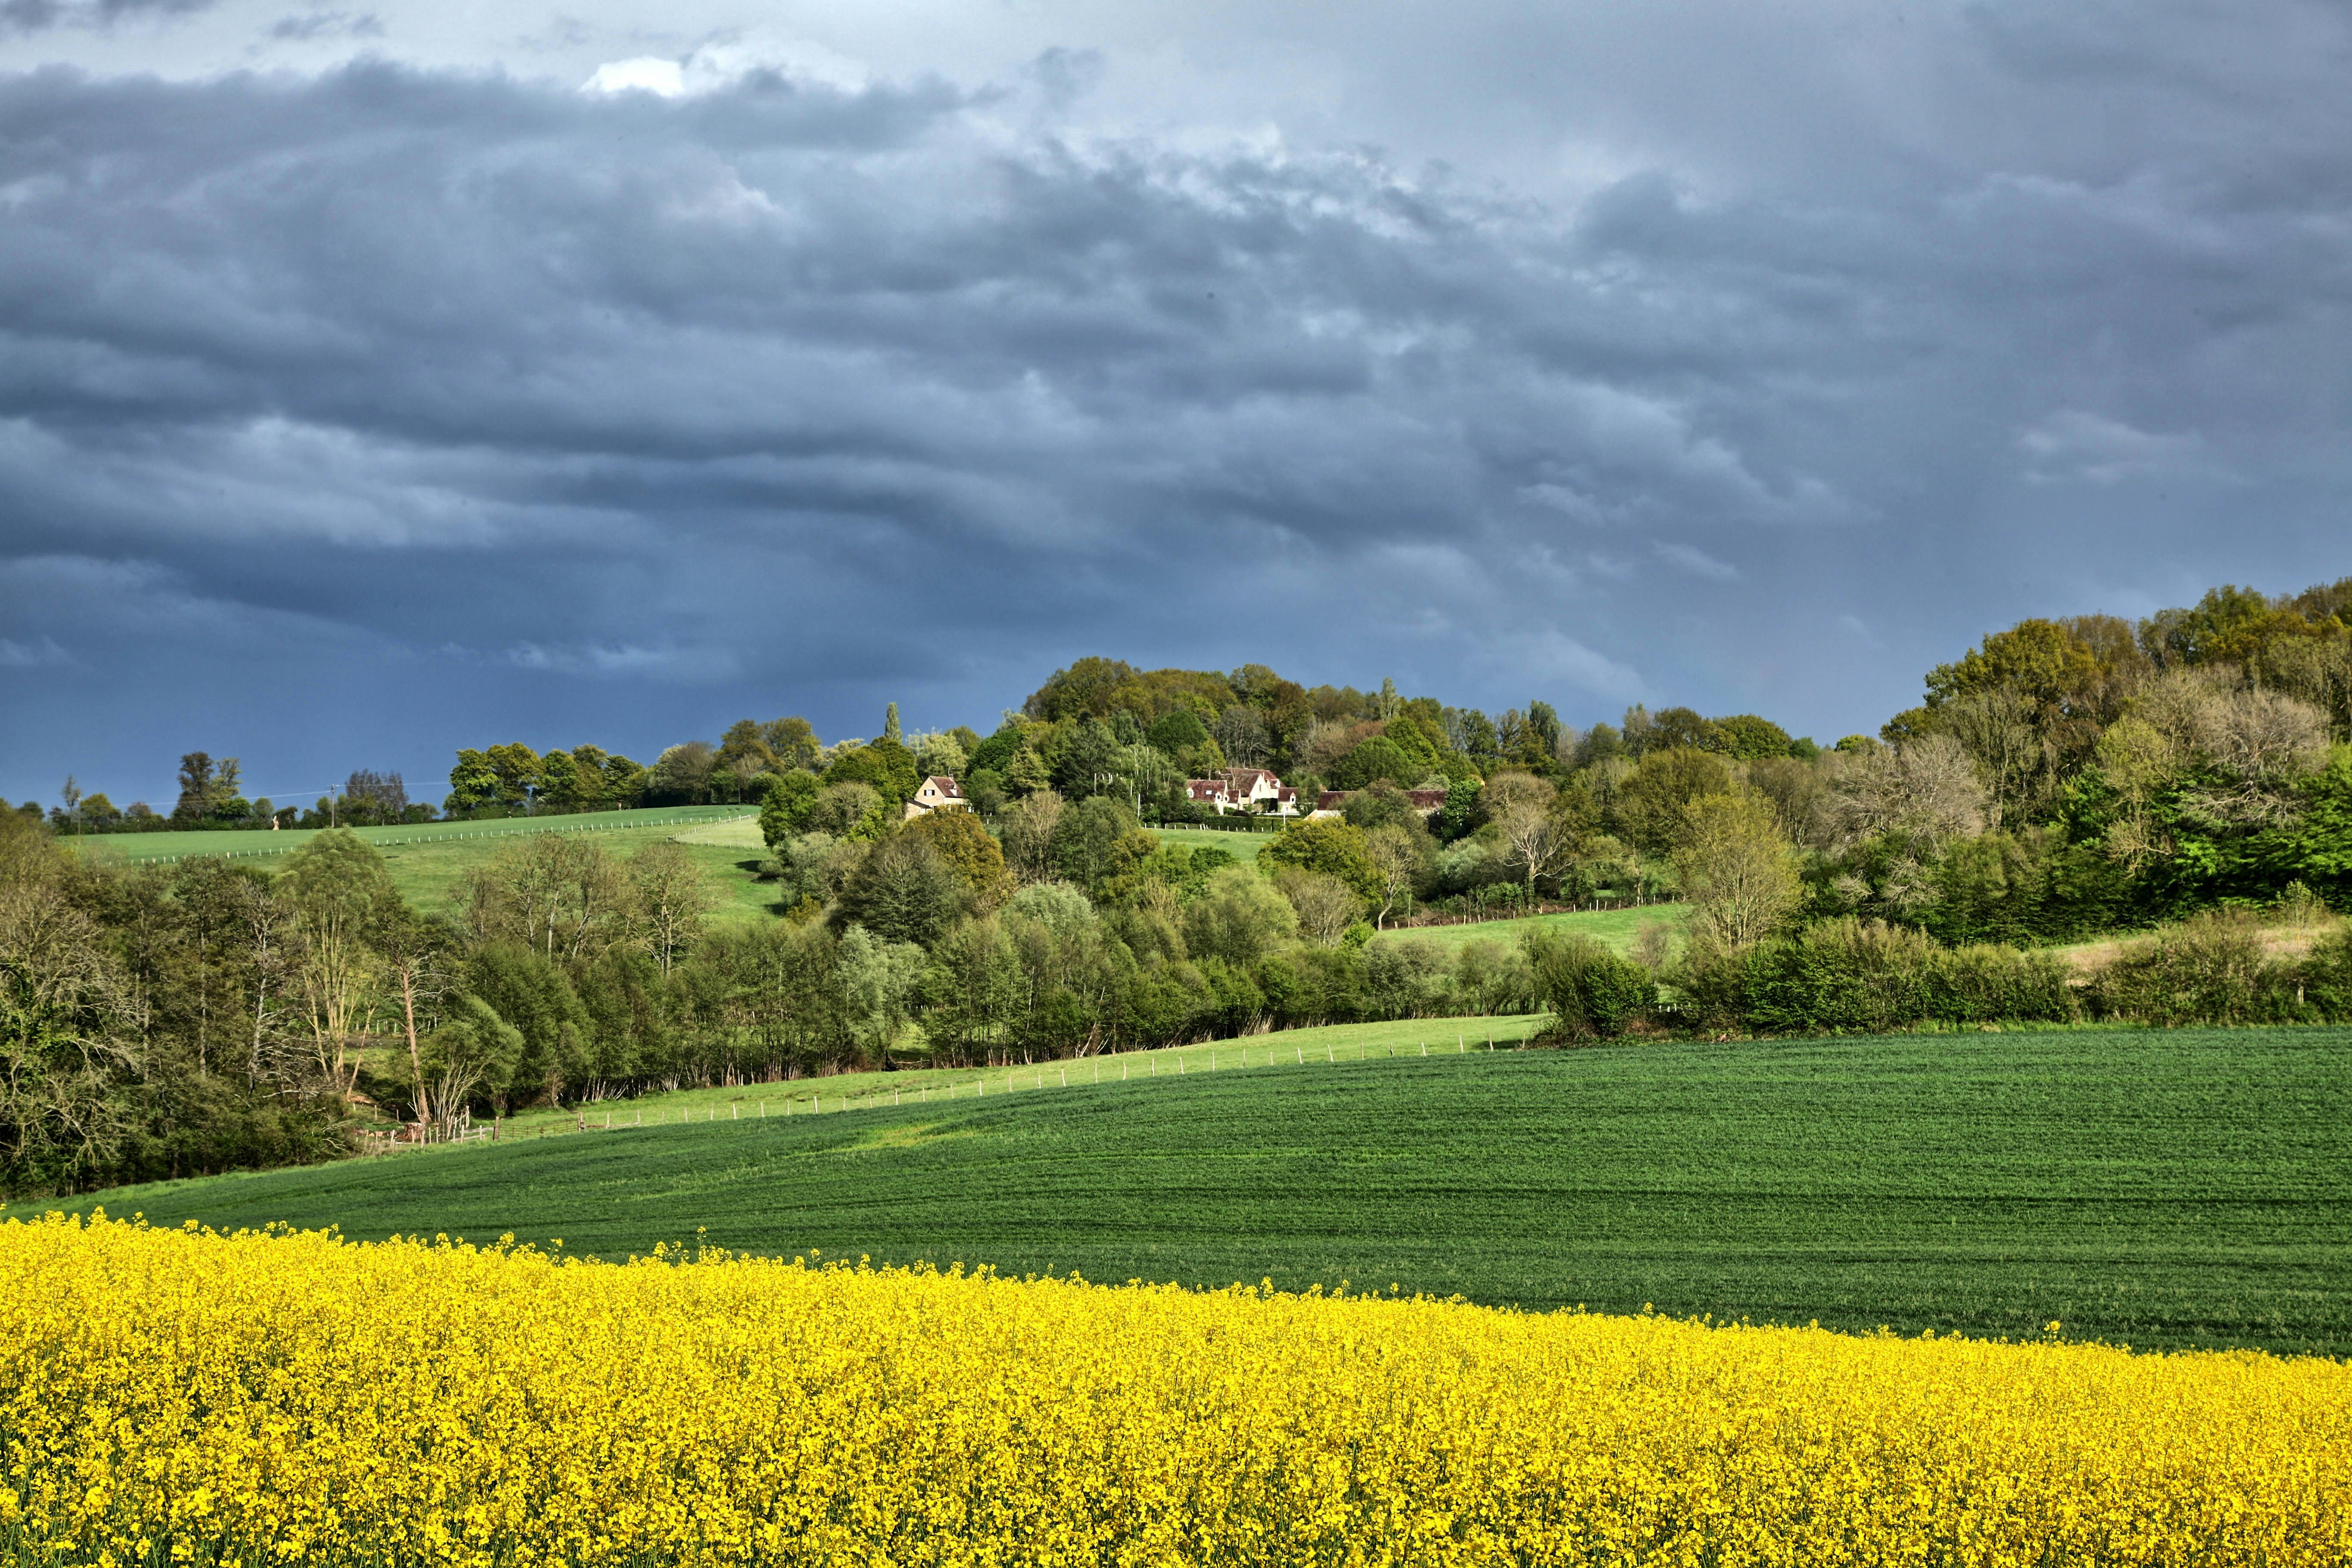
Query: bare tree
point(268, 923)
point(1537, 836)
point(2258, 743)
point(672, 898)
point(1241, 735)
point(416, 957)
point(1326, 905)
point(552, 891)
point(1026, 830)
point(1997, 730)
point(1398, 860)
point(338, 888)
point(1928, 789)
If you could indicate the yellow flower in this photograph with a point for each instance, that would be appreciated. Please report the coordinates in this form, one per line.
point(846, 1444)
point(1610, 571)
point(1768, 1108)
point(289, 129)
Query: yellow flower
point(286, 1397)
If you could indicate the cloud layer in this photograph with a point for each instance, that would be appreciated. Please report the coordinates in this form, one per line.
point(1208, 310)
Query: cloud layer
point(353, 413)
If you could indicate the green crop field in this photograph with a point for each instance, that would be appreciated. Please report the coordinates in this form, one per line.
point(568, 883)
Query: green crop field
point(2162, 1188)
point(1618, 927)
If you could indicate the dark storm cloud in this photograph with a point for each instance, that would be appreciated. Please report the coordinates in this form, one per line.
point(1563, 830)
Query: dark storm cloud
point(395, 408)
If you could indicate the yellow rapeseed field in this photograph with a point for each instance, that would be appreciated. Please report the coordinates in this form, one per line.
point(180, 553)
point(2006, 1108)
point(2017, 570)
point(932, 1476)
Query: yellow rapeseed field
point(180, 1397)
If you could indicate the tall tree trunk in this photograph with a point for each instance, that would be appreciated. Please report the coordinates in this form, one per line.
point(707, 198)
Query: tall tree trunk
point(416, 1058)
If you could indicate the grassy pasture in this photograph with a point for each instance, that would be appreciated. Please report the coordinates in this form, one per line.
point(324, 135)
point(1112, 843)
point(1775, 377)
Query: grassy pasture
point(2164, 1188)
point(1617, 927)
point(1242, 847)
point(176, 845)
point(427, 859)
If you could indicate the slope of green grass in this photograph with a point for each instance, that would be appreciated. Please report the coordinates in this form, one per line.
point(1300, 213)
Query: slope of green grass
point(242, 844)
point(1242, 847)
point(427, 859)
point(864, 1091)
point(2163, 1188)
point(1617, 927)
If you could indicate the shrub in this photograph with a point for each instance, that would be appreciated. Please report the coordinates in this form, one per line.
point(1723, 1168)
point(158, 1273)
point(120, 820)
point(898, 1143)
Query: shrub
point(1589, 989)
point(2324, 979)
point(2209, 969)
point(1865, 976)
point(1840, 976)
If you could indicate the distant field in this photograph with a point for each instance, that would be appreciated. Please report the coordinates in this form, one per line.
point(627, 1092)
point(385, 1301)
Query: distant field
point(2165, 1188)
point(1617, 927)
point(1241, 846)
point(427, 859)
point(136, 847)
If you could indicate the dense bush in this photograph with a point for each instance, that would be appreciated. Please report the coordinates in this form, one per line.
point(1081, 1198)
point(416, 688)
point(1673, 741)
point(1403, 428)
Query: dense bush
point(2209, 969)
point(1854, 975)
point(1588, 988)
point(1848, 976)
point(2324, 980)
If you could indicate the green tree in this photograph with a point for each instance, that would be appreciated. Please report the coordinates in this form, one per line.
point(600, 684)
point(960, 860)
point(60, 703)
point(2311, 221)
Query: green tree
point(342, 894)
point(880, 980)
point(784, 813)
point(1335, 849)
point(1239, 918)
point(681, 774)
point(905, 891)
point(1737, 871)
point(1099, 846)
point(1648, 804)
point(69, 1038)
point(971, 851)
point(535, 994)
point(972, 991)
point(1750, 738)
point(1376, 758)
point(473, 783)
point(744, 749)
point(624, 781)
point(472, 1049)
point(1384, 805)
point(853, 811)
point(1681, 727)
point(520, 771)
point(794, 740)
point(884, 766)
point(207, 788)
point(1460, 814)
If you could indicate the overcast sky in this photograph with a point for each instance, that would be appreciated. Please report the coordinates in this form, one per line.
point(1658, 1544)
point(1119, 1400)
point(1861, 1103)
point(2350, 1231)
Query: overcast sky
point(379, 382)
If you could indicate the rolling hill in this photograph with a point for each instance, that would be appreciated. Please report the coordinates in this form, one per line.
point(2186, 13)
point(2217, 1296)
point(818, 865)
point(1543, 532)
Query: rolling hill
point(2163, 1188)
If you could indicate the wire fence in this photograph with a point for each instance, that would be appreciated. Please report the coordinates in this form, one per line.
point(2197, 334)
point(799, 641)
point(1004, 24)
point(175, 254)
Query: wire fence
point(599, 826)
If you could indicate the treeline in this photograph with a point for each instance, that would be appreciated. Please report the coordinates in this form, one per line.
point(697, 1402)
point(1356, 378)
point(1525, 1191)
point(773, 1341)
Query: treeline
point(2062, 779)
point(160, 1022)
point(211, 797)
point(1844, 976)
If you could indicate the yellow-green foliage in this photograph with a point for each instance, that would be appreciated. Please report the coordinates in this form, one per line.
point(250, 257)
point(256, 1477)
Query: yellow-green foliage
point(182, 1397)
